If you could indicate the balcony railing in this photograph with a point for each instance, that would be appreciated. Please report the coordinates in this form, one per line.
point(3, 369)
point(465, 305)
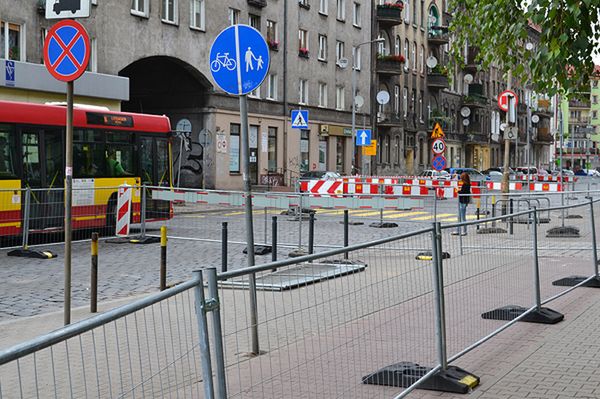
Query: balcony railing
point(258, 3)
point(388, 15)
point(389, 66)
point(579, 104)
point(389, 119)
point(437, 80)
point(438, 35)
point(475, 101)
point(471, 61)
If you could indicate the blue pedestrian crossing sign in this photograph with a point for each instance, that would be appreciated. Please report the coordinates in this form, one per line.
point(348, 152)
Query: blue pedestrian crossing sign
point(239, 59)
point(363, 137)
point(299, 119)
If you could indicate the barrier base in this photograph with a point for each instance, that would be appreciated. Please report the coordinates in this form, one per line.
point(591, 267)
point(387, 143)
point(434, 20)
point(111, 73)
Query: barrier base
point(260, 250)
point(511, 312)
point(350, 223)
point(572, 216)
point(574, 280)
point(563, 232)
point(30, 253)
point(297, 253)
point(118, 240)
point(304, 216)
point(144, 240)
point(383, 225)
point(405, 374)
point(491, 230)
point(427, 255)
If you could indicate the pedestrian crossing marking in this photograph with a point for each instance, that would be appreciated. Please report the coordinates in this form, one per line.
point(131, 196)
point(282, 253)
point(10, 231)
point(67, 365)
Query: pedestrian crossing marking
point(431, 217)
point(403, 215)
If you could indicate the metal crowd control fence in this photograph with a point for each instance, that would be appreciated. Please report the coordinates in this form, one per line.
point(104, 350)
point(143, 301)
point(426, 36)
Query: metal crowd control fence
point(396, 312)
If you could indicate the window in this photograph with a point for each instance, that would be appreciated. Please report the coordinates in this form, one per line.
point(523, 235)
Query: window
point(421, 109)
point(7, 152)
point(272, 87)
point(303, 92)
point(169, 11)
point(397, 45)
point(413, 56)
point(302, 40)
point(304, 3)
point(272, 32)
point(339, 50)
point(594, 99)
point(405, 101)
point(339, 98)
point(254, 21)
point(255, 93)
point(406, 49)
point(422, 13)
point(272, 150)
point(323, 7)
point(356, 56)
point(140, 7)
point(234, 16)
point(396, 100)
point(234, 148)
point(197, 14)
point(341, 10)
point(322, 48)
point(397, 146)
point(12, 41)
point(93, 61)
point(340, 155)
point(407, 11)
point(422, 59)
point(356, 17)
point(323, 95)
point(413, 102)
point(381, 44)
point(304, 149)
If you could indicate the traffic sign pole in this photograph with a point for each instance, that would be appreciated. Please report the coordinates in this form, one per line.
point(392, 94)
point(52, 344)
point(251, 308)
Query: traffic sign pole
point(68, 202)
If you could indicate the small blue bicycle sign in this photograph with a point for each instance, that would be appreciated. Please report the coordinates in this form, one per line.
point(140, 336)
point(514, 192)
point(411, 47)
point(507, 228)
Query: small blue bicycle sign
point(239, 59)
point(223, 60)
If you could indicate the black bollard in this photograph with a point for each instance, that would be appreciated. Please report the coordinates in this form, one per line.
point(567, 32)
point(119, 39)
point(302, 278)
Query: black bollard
point(223, 247)
point(274, 239)
point(311, 233)
point(345, 232)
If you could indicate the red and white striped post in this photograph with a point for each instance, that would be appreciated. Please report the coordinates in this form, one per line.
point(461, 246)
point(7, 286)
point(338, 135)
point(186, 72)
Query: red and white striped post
point(123, 210)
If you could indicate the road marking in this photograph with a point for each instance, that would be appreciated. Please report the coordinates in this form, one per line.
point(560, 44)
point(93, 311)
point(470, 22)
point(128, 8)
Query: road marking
point(403, 214)
point(455, 218)
point(431, 217)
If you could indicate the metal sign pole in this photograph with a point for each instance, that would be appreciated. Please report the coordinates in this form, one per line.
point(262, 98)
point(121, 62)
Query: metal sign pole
point(68, 199)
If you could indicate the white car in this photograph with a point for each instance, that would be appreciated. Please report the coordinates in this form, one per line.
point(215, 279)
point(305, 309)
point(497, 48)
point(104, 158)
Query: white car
point(435, 174)
point(592, 172)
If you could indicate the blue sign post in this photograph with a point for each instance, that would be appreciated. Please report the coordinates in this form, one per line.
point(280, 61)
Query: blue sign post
point(239, 62)
point(239, 59)
point(363, 137)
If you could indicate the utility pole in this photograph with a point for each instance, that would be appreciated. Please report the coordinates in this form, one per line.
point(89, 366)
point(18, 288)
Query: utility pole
point(505, 176)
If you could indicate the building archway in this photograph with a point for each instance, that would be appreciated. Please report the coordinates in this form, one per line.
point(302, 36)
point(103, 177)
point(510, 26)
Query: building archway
point(169, 86)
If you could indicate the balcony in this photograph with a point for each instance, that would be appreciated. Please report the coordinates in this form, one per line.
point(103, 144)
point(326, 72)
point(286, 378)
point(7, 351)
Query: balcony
point(476, 101)
point(389, 15)
point(579, 121)
point(579, 104)
point(390, 64)
point(472, 64)
point(436, 80)
point(257, 3)
point(389, 119)
point(544, 135)
point(438, 36)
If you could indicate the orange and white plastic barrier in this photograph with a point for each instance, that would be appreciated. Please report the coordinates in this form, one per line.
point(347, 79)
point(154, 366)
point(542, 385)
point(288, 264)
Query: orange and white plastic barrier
point(123, 210)
point(328, 187)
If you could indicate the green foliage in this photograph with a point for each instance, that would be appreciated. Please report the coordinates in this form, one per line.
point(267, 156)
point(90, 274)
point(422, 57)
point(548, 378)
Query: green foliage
point(565, 34)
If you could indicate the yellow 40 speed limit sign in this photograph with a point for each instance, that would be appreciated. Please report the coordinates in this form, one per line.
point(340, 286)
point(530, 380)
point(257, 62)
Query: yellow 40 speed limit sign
point(438, 146)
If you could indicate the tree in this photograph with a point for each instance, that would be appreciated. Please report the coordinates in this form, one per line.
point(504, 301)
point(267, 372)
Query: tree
point(568, 36)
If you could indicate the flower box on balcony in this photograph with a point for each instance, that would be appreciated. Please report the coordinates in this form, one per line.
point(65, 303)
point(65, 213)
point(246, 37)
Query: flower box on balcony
point(390, 13)
point(273, 44)
point(303, 53)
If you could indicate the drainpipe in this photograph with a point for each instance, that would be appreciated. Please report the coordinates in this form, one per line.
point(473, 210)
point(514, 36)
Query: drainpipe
point(285, 100)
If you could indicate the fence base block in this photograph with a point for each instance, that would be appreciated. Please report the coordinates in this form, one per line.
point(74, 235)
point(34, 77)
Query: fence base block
point(574, 280)
point(297, 253)
point(572, 216)
point(351, 223)
point(563, 232)
point(427, 255)
point(510, 312)
point(491, 230)
point(144, 240)
point(30, 253)
point(260, 250)
point(383, 225)
point(405, 374)
point(118, 240)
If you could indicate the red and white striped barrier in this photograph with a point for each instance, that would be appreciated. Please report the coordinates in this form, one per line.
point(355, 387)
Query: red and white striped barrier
point(330, 187)
point(123, 210)
point(545, 187)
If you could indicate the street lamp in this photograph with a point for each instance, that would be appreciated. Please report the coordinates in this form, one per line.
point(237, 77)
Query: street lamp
point(354, 154)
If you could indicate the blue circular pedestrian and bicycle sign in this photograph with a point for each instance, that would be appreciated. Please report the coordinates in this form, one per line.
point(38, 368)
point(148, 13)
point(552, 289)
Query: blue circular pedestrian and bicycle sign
point(439, 162)
point(239, 59)
point(67, 50)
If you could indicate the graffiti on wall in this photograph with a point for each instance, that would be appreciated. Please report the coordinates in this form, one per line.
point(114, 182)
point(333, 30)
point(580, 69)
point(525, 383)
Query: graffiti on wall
point(195, 158)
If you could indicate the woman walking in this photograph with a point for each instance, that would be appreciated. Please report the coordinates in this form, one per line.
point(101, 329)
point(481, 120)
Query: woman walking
point(464, 197)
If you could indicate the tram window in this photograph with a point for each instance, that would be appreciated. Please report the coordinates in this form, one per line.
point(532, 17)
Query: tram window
point(162, 160)
point(31, 158)
point(119, 137)
point(87, 135)
point(7, 155)
point(119, 160)
point(88, 159)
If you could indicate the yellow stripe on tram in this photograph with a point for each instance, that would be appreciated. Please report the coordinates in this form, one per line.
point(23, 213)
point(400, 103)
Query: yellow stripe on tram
point(431, 217)
point(94, 217)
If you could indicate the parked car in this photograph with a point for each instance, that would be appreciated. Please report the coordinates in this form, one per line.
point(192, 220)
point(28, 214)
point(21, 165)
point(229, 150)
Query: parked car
point(497, 171)
point(474, 174)
point(566, 172)
point(435, 174)
point(320, 175)
point(592, 172)
point(524, 170)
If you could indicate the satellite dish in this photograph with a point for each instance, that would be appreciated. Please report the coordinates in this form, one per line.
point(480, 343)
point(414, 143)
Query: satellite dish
point(343, 63)
point(383, 97)
point(184, 126)
point(495, 137)
point(503, 126)
point(359, 101)
point(529, 46)
point(535, 118)
point(431, 62)
point(468, 78)
point(465, 112)
point(406, 68)
point(466, 122)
